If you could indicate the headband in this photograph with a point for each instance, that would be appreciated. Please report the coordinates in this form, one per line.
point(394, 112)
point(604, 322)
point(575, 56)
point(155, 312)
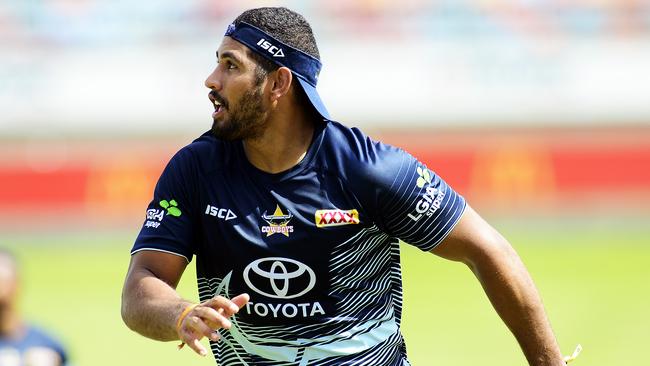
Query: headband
point(305, 67)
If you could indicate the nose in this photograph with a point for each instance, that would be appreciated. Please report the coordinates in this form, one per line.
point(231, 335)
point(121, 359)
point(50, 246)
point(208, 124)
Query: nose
point(212, 82)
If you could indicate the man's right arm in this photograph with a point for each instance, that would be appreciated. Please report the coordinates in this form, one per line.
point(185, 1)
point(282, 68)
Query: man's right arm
point(150, 303)
point(152, 307)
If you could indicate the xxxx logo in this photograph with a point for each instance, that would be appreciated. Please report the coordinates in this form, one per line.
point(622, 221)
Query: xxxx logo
point(325, 218)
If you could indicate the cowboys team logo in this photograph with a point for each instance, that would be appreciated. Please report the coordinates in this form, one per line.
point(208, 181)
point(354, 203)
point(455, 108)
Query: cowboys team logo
point(277, 223)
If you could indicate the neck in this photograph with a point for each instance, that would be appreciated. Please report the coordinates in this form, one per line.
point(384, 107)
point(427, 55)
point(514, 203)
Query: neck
point(284, 143)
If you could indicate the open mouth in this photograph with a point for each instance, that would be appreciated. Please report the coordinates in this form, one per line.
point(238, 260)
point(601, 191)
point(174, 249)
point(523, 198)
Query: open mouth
point(218, 106)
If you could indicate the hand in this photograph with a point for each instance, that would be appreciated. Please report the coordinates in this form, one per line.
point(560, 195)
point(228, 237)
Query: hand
point(205, 319)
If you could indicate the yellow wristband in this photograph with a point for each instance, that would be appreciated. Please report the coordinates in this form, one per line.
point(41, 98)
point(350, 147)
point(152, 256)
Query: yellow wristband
point(183, 315)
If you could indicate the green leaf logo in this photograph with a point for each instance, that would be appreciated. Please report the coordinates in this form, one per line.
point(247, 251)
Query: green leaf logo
point(425, 177)
point(171, 207)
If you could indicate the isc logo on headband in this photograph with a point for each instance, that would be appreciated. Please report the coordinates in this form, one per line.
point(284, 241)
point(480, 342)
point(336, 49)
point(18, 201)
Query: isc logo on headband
point(275, 51)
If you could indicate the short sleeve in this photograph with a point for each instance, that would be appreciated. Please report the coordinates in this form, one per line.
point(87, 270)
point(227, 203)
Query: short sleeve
point(168, 225)
point(414, 204)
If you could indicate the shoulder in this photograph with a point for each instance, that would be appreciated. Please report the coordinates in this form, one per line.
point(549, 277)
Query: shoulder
point(205, 154)
point(356, 156)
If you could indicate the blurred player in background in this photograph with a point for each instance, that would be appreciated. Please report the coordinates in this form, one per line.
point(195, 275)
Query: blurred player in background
point(21, 344)
point(295, 223)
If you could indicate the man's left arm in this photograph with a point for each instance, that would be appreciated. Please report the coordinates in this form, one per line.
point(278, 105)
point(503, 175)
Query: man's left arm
point(507, 284)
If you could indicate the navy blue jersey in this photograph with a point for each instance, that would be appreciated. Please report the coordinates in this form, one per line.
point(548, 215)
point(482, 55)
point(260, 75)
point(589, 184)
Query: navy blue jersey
point(316, 246)
point(29, 348)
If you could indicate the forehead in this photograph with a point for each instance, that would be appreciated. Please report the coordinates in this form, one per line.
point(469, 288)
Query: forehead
point(231, 48)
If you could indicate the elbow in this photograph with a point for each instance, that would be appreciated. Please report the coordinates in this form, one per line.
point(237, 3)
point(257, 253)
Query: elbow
point(126, 310)
point(129, 317)
point(496, 255)
point(125, 313)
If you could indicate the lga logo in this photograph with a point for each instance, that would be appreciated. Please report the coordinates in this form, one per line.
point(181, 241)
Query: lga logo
point(275, 51)
point(424, 177)
point(278, 222)
point(171, 206)
point(432, 198)
point(336, 217)
point(154, 217)
point(155, 214)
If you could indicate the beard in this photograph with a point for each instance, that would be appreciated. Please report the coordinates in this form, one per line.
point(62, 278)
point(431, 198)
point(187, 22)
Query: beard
point(246, 120)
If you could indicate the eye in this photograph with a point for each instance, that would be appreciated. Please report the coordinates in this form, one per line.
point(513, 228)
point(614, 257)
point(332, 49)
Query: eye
point(230, 65)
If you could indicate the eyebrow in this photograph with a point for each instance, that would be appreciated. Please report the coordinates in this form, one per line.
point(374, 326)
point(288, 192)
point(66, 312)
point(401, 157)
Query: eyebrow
point(230, 55)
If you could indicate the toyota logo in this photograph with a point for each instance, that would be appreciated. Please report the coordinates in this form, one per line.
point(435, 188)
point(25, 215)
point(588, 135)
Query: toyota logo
point(279, 278)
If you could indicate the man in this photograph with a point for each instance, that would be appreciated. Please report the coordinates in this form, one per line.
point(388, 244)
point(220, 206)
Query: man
point(294, 220)
point(20, 343)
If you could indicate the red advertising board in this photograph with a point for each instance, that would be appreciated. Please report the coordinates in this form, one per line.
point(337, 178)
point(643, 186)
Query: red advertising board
point(504, 171)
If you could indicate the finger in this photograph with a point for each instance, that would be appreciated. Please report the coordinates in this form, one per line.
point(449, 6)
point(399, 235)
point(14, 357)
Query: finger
point(190, 337)
point(213, 318)
point(197, 347)
point(240, 300)
point(198, 327)
point(220, 302)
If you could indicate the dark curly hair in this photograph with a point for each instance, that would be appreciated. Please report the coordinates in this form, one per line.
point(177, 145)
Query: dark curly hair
point(283, 24)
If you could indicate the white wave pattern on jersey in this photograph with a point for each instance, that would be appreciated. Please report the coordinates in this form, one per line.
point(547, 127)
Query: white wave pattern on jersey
point(365, 280)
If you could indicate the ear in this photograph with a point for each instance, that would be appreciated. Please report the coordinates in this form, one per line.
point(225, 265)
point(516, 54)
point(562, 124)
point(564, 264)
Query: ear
point(281, 83)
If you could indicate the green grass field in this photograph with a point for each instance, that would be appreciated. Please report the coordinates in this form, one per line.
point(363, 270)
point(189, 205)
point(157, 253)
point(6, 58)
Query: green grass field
point(594, 280)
